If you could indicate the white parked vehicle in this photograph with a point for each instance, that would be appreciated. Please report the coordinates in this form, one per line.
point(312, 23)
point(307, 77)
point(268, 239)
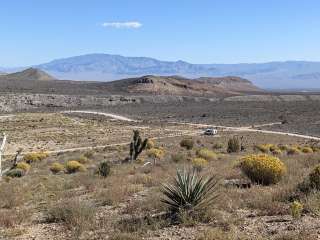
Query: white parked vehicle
point(210, 131)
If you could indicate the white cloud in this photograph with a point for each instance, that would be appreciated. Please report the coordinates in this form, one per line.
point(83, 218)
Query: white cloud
point(133, 24)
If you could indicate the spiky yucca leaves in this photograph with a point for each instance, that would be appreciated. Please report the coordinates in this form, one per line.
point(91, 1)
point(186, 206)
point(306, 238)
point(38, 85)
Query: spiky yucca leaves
point(137, 145)
point(190, 192)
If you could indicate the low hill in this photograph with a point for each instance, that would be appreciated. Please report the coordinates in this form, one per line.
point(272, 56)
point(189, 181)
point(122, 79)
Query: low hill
point(176, 85)
point(28, 74)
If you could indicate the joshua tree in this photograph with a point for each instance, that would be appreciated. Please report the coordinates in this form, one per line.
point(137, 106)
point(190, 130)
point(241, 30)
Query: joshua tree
point(137, 145)
point(4, 139)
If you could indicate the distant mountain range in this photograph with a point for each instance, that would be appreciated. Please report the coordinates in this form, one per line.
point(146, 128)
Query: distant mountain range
point(105, 67)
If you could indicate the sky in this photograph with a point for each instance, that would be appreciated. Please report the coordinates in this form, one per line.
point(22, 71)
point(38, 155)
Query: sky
point(197, 31)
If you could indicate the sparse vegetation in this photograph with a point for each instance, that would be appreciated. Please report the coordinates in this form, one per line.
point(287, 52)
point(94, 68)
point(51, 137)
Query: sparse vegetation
point(206, 154)
point(35, 157)
point(199, 163)
point(23, 166)
point(263, 169)
point(314, 178)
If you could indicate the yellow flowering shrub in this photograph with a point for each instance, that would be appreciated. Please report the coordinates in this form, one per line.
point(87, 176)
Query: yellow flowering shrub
point(307, 149)
point(265, 148)
point(150, 144)
point(74, 166)
point(56, 167)
point(293, 151)
point(155, 153)
point(23, 166)
point(206, 154)
point(199, 163)
point(35, 157)
point(262, 168)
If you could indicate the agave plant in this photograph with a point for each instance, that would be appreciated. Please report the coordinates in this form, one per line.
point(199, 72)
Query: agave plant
point(189, 192)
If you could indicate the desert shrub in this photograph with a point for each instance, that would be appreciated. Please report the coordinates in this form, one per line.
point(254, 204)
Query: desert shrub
point(283, 147)
point(296, 209)
point(293, 151)
point(233, 145)
point(150, 144)
point(199, 163)
point(11, 218)
point(177, 157)
point(276, 151)
point(77, 215)
point(74, 166)
point(314, 178)
point(12, 194)
point(23, 166)
point(35, 157)
point(217, 146)
point(262, 168)
point(15, 173)
point(140, 160)
point(104, 169)
point(206, 154)
point(88, 154)
point(155, 153)
point(307, 149)
point(187, 143)
point(189, 192)
point(56, 168)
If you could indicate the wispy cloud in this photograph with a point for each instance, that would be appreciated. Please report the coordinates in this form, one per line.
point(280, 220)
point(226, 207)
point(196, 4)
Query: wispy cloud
point(133, 24)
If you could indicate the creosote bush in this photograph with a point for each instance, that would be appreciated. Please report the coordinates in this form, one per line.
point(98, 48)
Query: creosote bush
point(74, 166)
point(35, 157)
point(189, 193)
point(23, 166)
point(199, 163)
point(150, 144)
point(104, 169)
point(314, 178)
point(233, 145)
point(206, 154)
point(262, 168)
point(56, 168)
point(187, 143)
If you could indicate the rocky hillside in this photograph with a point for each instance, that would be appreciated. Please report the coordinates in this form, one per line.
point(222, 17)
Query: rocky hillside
point(176, 85)
point(29, 75)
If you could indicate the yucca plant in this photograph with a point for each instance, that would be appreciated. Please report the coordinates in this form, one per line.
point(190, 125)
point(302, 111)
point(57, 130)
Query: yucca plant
point(189, 192)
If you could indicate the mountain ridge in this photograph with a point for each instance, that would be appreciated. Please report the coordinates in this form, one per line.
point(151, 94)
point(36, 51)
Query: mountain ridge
point(106, 67)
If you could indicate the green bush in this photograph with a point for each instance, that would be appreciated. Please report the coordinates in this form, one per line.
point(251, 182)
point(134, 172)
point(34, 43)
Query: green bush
point(187, 143)
point(233, 145)
point(314, 178)
point(206, 154)
point(74, 166)
point(104, 169)
point(15, 173)
point(262, 168)
point(56, 168)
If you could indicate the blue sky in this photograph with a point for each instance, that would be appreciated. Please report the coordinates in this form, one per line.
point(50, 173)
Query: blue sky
point(198, 31)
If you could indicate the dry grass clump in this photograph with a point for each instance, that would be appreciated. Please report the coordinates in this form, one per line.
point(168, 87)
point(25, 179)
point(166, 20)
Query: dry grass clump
point(124, 236)
point(233, 145)
point(217, 146)
point(35, 157)
point(187, 143)
point(206, 154)
point(77, 215)
point(74, 166)
point(199, 163)
point(262, 169)
point(10, 218)
point(219, 234)
point(104, 169)
point(12, 194)
point(56, 168)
